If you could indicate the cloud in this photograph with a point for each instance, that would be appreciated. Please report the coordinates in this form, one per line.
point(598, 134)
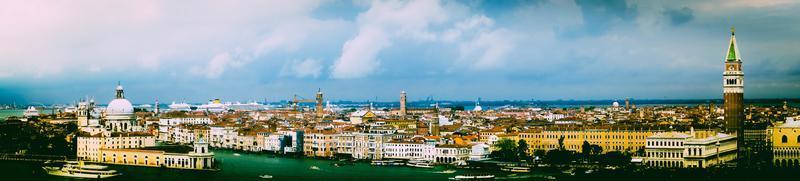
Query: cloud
point(378, 26)
point(488, 50)
point(359, 54)
point(300, 69)
point(215, 67)
point(679, 16)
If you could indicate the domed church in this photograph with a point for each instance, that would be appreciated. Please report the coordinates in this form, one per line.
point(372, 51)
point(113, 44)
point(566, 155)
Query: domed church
point(119, 116)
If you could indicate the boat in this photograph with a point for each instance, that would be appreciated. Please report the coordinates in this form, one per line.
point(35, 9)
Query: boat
point(516, 169)
point(236, 154)
point(387, 163)
point(31, 112)
point(265, 176)
point(78, 169)
point(314, 168)
point(473, 177)
point(419, 164)
point(446, 171)
point(180, 106)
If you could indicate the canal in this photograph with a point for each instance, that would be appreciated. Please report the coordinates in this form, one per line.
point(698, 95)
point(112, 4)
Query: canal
point(248, 166)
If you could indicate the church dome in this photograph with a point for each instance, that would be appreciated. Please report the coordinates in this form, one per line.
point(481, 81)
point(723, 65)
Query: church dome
point(119, 106)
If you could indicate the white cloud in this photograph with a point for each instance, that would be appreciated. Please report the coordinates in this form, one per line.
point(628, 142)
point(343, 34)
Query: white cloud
point(475, 23)
point(128, 36)
point(488, 49)
point(384, 21)
point(215, 67)
point(359, 54)
point(301, 69)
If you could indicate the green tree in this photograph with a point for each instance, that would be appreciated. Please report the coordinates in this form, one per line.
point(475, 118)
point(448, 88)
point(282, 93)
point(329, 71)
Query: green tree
point(505, 149)
point(522, 150)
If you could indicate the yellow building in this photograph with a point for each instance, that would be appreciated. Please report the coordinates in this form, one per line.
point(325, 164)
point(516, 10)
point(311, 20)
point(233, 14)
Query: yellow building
point(319, 144)
point(197, 157)
point(786, 143)
point(610, 139)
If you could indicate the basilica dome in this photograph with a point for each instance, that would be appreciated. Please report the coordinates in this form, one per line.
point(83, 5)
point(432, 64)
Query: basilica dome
point(119, 106)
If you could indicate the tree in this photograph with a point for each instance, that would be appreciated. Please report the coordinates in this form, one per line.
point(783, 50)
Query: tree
point(522, 150)
point(505, 150)
point(616, 158)
point(586, 148)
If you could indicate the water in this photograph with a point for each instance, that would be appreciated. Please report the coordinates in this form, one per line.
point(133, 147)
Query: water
point(10, 112)
point(248, 167)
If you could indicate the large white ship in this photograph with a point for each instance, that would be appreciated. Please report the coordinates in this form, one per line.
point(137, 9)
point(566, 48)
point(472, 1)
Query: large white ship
point(79, 170)
point(31, 112)
point(180, 106)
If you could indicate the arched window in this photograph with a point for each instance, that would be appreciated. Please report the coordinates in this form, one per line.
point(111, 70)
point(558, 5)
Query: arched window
point(798, 138)
point(784, 139)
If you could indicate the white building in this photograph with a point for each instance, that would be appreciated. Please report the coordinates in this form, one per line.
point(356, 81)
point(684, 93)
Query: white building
point(369, 145)
point(694, 150)
point(409, 150)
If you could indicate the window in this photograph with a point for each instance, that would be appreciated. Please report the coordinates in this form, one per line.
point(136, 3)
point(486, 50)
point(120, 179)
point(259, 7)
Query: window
point(784, 139)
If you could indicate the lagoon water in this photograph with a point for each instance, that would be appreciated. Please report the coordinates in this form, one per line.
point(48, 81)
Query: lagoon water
point(248, 166)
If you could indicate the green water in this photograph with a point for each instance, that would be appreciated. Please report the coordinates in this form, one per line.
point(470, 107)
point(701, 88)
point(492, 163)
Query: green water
point(249, 167)
point(10, 112)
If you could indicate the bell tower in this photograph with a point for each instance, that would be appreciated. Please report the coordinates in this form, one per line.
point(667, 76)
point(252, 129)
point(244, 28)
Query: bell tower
point(733, 88)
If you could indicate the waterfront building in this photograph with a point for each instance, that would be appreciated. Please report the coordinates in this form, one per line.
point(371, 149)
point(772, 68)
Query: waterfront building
point(369, 145)
point(785, 139)
point(222, 135)
point(733, 89)
point(624, 139)
point(414, 149)
point(344, 143)
point(90, 147)
point(196, 157)
point(452, 153)
point(319, 143)
point(692, 150)
point(480, 151)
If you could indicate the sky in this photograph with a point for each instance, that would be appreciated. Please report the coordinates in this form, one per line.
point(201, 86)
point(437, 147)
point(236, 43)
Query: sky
point(60, 51)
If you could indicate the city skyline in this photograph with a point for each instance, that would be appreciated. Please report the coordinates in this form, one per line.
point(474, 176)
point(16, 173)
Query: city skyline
point(449, 50)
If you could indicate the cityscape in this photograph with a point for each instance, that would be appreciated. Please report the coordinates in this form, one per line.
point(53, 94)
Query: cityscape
point(399, 90)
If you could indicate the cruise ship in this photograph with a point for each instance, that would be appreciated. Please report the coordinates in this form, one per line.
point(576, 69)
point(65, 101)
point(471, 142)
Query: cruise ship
point(180, 106)
point(31, 112)
point(250, 106)
point(79, 170)
point(213, 106)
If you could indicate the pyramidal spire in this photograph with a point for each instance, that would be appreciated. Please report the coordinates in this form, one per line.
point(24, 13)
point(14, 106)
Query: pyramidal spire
point(733, 49)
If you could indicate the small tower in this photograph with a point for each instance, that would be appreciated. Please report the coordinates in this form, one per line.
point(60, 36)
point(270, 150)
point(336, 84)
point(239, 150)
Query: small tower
point(403, 104)
point(200, 146)
point(120, 92)
point(319, 108)
point(156, 111)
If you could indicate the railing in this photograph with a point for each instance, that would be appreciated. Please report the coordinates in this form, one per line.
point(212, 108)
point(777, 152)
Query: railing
point(31, 157)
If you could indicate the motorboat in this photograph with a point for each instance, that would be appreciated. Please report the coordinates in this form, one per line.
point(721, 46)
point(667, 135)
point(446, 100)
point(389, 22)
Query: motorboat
point(446, 171)
point(473, 177)
point(265, 176)
point(78, 169)
point(419, 164)
point(387, 163)
point(517, 169)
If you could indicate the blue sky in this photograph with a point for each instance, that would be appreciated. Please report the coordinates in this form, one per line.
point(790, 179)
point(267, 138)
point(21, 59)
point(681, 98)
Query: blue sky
point(58, 51)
